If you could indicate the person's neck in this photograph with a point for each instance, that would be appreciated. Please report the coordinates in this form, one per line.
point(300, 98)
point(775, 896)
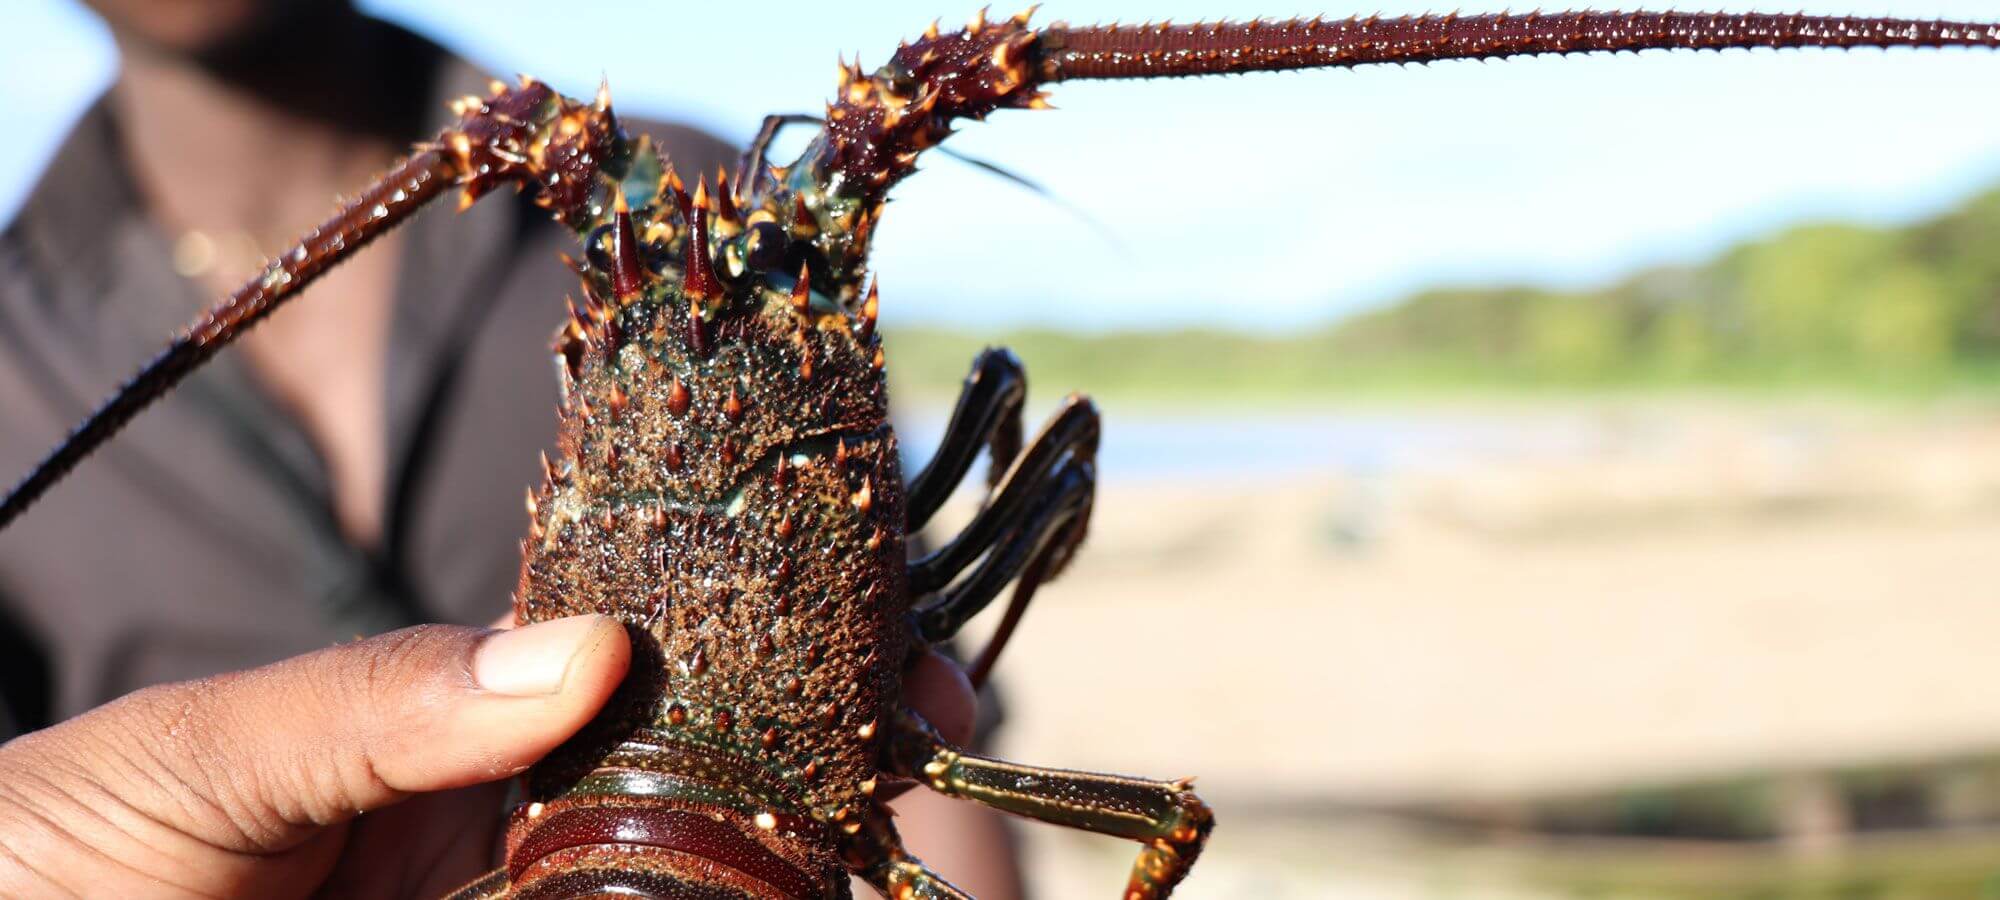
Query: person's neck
point(237, 147)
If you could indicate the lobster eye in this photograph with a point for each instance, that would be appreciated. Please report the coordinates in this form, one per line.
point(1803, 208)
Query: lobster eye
point(766, 246)
point(597, 249)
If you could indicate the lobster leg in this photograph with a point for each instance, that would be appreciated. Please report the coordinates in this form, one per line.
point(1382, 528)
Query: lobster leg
point(1027, 533)
point(1031, 551)
point(988, 412)
point(490, 886)
point(1032, 577)
point(1165, 816)
point(876, 853)
point(1072, 434)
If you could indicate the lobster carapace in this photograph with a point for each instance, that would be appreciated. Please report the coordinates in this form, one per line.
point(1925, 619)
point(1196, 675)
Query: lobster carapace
point(727, 482)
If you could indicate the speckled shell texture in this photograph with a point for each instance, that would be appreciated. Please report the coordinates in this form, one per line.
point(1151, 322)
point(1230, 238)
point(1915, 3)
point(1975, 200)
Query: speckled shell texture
point(734, 496)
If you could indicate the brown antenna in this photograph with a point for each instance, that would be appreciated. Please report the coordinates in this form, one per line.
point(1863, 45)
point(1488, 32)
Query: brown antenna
point(1212, 48)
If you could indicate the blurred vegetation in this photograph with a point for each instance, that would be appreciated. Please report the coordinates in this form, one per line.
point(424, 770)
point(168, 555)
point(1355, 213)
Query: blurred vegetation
point(1893, 311)
point(1958, 794)
point(1951, 868)
point(1908, 832)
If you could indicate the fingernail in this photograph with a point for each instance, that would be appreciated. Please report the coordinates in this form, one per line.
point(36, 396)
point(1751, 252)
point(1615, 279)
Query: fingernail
point(531, 661)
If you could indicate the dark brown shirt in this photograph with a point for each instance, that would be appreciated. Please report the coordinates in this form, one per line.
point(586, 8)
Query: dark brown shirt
point(203, 539)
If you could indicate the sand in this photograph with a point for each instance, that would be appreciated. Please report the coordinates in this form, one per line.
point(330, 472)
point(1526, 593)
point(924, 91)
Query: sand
point(1711, 593)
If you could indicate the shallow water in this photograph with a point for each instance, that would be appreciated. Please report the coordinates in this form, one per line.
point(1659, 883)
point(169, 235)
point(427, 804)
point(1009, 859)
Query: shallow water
point(1138, 448)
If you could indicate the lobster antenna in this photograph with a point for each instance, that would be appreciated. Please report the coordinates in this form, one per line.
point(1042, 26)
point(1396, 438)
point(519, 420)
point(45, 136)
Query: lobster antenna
point(878, 125)
point(488, 147)
point(1041, 190)
point(386, 203)
point(1212, 48)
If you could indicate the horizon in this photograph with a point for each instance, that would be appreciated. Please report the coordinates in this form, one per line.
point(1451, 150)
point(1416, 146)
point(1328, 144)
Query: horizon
point(1452, 188)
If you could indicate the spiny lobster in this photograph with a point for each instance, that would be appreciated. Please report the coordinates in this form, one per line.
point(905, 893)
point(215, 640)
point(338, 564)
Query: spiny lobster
point(728, 483)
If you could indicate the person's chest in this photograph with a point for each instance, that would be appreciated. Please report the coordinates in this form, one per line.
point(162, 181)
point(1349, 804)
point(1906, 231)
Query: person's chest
point(207, 538)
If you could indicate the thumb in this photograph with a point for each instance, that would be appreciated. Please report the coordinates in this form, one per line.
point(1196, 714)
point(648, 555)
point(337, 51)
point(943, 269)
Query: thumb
point(255, 762)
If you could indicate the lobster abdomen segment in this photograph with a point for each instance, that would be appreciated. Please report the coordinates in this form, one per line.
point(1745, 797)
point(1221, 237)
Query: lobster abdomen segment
point(658, 850)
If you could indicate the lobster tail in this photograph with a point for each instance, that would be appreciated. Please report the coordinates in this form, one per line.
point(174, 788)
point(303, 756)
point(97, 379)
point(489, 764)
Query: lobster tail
point(644, 847)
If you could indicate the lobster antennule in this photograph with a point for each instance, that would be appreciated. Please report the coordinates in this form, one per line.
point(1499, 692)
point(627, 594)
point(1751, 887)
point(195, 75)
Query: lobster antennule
point(1212, 48)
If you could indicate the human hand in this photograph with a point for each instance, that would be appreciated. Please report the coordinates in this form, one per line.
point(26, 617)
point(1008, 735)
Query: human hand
point(250, 784)
point(246, 784)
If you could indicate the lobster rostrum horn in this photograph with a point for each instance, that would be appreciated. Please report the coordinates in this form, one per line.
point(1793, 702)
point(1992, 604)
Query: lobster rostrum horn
point(727, 482)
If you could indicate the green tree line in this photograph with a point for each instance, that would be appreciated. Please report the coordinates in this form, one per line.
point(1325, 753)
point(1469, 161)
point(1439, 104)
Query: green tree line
point(1839, 307)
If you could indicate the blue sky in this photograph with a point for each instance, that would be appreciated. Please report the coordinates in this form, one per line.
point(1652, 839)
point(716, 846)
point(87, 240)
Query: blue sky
point(1267, 201)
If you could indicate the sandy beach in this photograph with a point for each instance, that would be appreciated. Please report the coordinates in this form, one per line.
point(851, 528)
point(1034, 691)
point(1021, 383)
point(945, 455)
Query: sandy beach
point(1660, 596)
